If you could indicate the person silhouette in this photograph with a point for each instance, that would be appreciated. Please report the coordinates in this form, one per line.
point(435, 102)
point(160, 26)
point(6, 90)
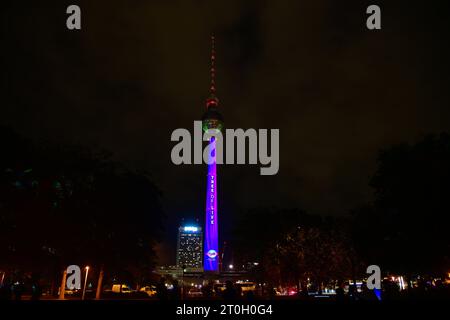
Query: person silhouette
point(176, 291)
point(161, 289)
point(5, 291)
point(207, 290)
point(17, 289)
point(230, 292)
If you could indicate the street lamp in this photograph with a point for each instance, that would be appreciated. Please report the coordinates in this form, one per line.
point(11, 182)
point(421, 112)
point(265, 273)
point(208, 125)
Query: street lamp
point(182, 281)
point(85, 282)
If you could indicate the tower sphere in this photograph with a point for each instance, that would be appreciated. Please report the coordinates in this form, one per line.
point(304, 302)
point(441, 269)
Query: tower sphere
point(212, 120)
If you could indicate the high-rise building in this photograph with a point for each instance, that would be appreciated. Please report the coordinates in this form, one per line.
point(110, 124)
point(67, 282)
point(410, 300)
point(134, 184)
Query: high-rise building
point(212, 122)
point(189, 247)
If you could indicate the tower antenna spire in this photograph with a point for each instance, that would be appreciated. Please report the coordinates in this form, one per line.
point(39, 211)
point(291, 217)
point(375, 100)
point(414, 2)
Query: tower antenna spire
point(212, 87)
point(213, 65)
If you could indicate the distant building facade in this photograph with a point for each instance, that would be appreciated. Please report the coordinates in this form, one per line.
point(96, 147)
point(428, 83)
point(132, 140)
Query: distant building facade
point(190, 248)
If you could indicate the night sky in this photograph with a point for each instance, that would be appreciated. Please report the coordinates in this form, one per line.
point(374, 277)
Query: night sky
point(140, 69)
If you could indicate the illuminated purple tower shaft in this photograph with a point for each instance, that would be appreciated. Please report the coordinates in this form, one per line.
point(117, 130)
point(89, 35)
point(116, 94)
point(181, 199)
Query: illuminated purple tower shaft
point(212, 122)
point(211, 261)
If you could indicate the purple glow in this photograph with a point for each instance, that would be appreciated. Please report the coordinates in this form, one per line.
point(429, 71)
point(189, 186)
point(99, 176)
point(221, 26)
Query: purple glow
point(211, 249)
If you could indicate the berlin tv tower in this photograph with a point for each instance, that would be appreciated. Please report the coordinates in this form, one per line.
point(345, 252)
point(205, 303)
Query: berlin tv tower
point(212, 121)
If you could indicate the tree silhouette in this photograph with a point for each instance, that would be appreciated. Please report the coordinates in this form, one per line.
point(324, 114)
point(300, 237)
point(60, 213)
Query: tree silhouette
point(407, 228)
point(294, 246)
point(312, 253)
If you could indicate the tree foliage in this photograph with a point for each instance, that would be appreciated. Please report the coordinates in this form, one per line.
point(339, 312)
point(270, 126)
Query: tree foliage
point(64, 205)
point(294, 246)
point(409, 220)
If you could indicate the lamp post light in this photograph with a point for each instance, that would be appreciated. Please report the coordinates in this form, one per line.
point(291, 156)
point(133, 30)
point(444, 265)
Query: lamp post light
point(182, 282)
point(85, 282)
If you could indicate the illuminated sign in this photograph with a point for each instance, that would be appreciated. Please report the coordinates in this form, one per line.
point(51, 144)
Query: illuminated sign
point(212, 254)
point(190, 229)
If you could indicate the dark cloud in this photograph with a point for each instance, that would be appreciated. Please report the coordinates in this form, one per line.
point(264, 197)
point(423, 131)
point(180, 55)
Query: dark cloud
point(139, 69)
